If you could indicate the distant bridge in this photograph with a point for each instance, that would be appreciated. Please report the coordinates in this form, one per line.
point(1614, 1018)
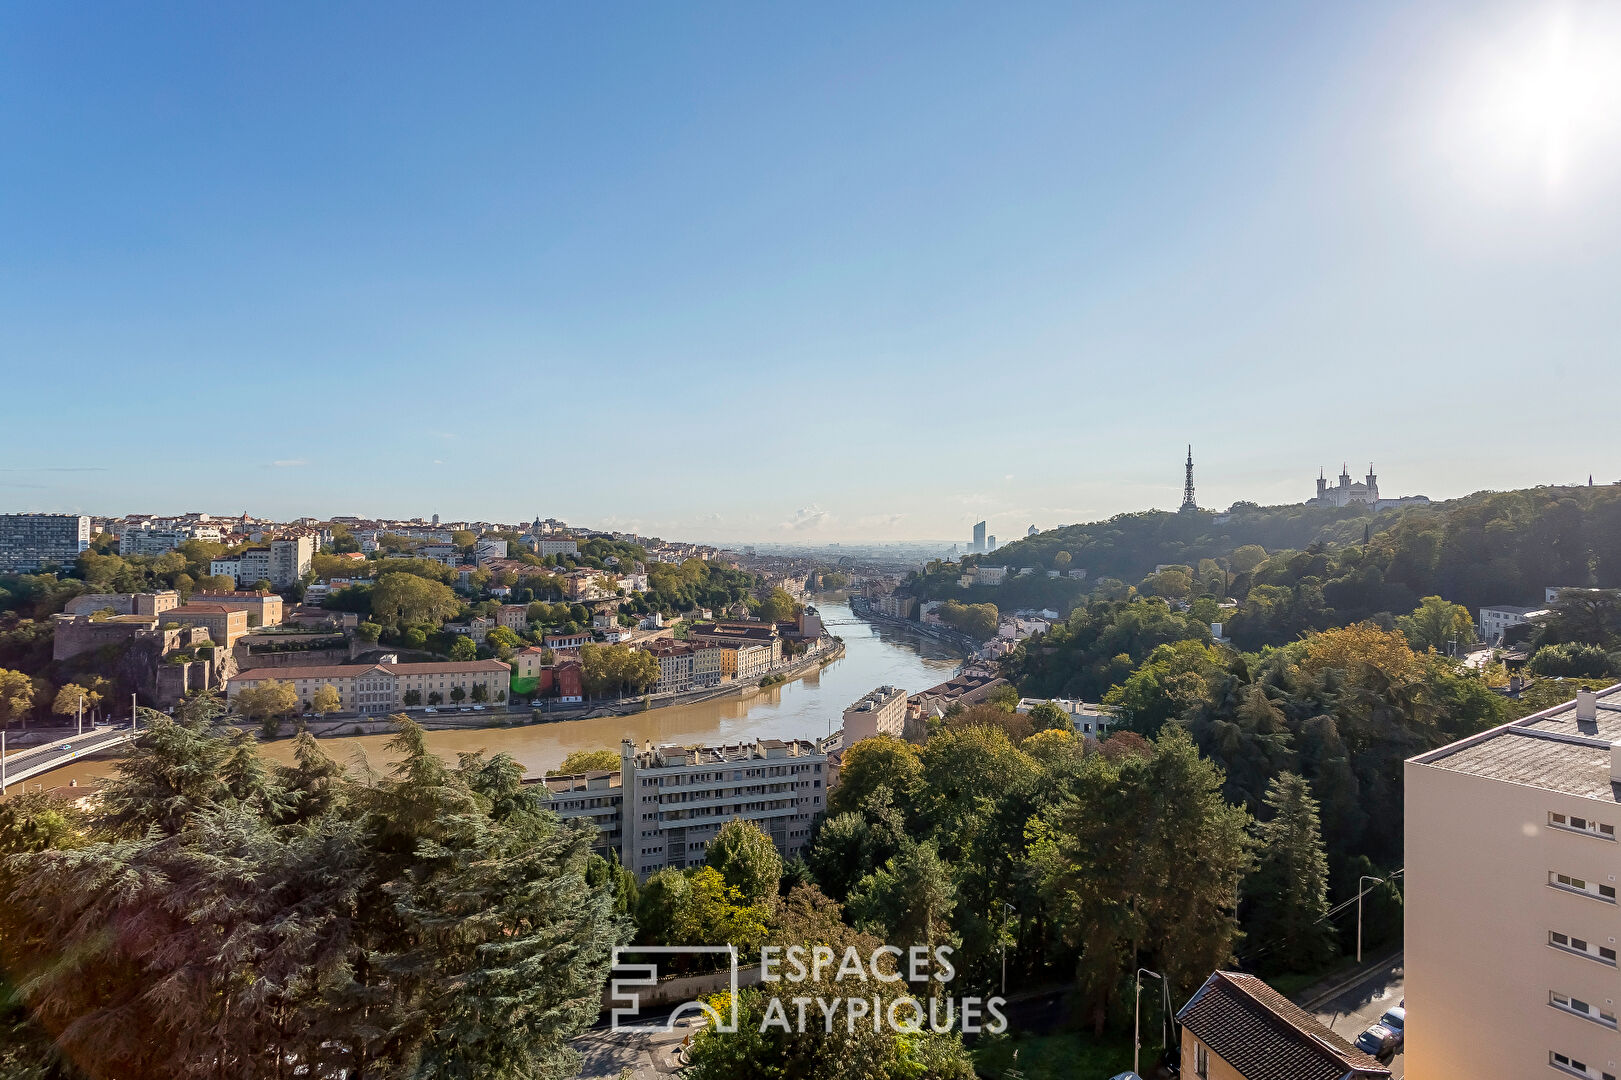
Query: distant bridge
point(25, 764)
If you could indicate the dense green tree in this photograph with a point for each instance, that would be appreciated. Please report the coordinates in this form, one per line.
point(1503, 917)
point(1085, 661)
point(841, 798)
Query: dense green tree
point(883, 761)
point(399, 598)
point(1287, 893)
point(746, 859)
point(1437, 624)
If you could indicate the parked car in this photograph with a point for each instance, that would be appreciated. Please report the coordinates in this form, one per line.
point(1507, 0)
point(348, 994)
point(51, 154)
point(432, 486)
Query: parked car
point(430, 709)
point(1396, 1020)
point(478, 708)
point(1378, 1042)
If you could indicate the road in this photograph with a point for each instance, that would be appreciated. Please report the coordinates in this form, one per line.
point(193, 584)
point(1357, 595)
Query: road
point(1349, 1011)
point(31, 762)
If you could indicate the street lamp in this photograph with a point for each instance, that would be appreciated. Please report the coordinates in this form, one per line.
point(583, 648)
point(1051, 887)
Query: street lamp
point(1005, 910)
point(1137, 1019)
point(1359, 895)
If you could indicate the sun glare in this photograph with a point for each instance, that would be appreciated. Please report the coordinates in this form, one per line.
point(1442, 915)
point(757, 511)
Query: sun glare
point(1539, 105)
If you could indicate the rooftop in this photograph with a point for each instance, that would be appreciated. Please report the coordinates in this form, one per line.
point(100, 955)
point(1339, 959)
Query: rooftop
point(1265, 1036)
point(1551, 749)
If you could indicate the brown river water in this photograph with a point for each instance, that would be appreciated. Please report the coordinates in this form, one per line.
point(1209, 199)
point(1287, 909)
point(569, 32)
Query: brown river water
point(807, 708)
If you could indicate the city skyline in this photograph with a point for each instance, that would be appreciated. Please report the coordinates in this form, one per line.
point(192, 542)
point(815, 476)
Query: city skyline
point(497, 265)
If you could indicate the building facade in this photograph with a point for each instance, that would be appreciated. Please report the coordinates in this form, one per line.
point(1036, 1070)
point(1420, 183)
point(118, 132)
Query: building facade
point(1495, 620)
point(152, 603)
point(261, 608)
point(677, 798)
point(879, 712)
point(1512, 923)
point(225, 626)
point(379, 689)
point(595, 798)
point(31, 542)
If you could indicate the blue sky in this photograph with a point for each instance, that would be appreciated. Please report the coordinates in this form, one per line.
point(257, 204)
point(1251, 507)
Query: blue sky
point(801, 272)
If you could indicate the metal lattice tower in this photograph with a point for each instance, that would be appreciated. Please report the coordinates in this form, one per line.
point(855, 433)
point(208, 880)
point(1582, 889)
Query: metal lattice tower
point(1188, 501)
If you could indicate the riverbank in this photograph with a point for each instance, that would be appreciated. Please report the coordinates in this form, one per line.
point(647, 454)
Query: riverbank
point(554, 713)
point(861, 609)
point(808, 707)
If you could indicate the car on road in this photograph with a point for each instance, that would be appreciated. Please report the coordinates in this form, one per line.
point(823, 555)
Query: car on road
point(1396, 1020)
point(428, 710)
point(1379, 1042)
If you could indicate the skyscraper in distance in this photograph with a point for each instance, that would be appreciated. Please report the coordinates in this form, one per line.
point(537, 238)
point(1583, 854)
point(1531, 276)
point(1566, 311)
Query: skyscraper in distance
point(979, 537)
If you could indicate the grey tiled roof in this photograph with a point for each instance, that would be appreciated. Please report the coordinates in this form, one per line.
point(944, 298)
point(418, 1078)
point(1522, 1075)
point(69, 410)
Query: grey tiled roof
point(1265, 1036)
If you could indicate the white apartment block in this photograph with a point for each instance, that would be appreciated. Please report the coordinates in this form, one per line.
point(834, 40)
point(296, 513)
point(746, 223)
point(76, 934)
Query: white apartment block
point(595, 798)
point(677, 798)
point(31, 542)
point(1499, 617)
point(1088, 719)
point(1512, 923)
point(545, 547)
point(879, 712)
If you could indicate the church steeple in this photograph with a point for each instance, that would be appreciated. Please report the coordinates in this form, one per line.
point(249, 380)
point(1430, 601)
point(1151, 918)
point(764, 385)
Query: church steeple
point(1188, 501)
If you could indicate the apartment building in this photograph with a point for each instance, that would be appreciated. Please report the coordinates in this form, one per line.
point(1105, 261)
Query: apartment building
point(675, 798)
point(1090, 720)
point(513, 616)
point(150, 540)
point(595, 798)
point(31, 542)
point(879, 712)
point(545, 546)
point(685, 665)
point(1236, 1027)
point(566, 639)
point(290, 560)
point(378, 689)
point(1512, 921)
point(1494, 620)
point(152, 603)
point(261, 608)
point(487, 550)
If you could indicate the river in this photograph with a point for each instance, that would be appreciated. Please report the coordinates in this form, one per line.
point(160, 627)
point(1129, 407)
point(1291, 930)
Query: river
point(806, 708)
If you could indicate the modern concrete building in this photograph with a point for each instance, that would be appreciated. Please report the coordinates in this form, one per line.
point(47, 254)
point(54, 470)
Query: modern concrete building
point(545, 546)
point(1497, 618)
point(378, 689)
point(290, 560)
point(1512, 921)
point(1236, 1027)
point(676, 798)
point(879, 712)
point(31, 542)
point(595, 798)
point(1088, 719)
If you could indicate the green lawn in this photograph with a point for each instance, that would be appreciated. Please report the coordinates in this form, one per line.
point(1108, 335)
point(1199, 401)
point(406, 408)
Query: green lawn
point(1065, 1056)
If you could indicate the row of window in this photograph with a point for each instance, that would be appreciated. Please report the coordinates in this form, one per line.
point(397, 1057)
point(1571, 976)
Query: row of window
point(1572, 823)
point(1585, 1009)
point(1602, 953)
point(1582, 885)
point(1566, 1063)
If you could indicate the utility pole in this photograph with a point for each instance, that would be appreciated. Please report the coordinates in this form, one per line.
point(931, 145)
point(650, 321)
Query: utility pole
point(2, 760)
point(134, 710)
point(1359, 895)
point(78, 728)
point(1137, 1020)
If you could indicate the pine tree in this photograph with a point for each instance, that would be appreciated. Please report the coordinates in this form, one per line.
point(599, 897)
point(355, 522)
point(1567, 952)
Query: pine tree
point(1288, 892)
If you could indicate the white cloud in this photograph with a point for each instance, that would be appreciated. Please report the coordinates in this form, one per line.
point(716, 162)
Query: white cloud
point(808, 518)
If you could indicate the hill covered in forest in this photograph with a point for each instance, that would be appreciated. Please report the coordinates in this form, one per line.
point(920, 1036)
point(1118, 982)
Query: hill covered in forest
point(1486, 548)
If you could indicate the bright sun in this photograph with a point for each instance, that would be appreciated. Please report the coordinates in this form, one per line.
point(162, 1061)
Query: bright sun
point(1540, 103)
